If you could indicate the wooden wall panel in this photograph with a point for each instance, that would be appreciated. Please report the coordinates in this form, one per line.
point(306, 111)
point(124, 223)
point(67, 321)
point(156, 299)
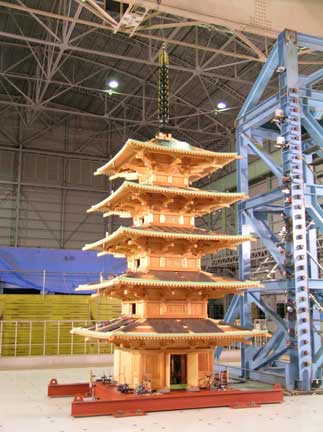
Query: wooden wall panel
point(193, 369)
point(116, 365)
point(203, 361)
point(152, 309)
point(176, 308)
point(153, 366)
point(197, 309)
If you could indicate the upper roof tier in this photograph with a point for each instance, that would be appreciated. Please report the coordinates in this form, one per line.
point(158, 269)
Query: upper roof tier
point(129, 241)
point(165, 154)
point(137, 199)
point(198, 283)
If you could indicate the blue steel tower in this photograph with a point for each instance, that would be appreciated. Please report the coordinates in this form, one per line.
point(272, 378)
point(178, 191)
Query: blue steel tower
point(293, 356)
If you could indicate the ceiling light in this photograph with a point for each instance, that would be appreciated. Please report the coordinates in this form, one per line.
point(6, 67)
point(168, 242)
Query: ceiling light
point(113, 84)
point(110, 92)
point(221, 105)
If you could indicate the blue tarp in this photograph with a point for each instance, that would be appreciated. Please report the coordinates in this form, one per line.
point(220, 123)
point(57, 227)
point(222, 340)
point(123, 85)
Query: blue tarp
point(50, 270)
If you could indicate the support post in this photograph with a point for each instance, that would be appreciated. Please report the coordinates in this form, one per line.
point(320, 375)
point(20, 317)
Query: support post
point(244, 248)
point(18, 188)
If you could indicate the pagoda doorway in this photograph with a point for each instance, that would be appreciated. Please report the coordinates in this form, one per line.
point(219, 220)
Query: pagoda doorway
point(178, 371)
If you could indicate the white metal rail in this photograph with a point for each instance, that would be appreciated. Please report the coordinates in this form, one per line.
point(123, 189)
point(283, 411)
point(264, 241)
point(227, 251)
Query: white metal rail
point(47, 337)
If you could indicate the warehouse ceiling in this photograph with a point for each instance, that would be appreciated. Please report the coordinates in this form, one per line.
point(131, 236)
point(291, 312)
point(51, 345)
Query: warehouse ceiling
point(57, 58)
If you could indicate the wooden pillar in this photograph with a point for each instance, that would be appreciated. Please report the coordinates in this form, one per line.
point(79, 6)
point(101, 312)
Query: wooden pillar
point(167, 370)
point(211, 359)
point(162, 361)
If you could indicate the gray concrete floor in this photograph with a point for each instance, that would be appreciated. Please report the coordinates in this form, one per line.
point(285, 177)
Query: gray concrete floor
point(24, 407)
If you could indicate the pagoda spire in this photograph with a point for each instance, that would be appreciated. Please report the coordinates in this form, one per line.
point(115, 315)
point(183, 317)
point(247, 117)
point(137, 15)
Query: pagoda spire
point(163, 100)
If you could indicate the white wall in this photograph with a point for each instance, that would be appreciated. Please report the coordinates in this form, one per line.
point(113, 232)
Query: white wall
point(46, 190)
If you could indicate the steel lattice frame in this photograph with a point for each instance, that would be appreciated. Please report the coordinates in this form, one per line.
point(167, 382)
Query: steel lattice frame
point(297, 108)
point(53, 76)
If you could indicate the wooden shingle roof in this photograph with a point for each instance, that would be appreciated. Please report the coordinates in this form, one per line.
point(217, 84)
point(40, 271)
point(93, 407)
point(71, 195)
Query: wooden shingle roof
point(171, 279)
point(138, 156)
point(124, 234)
point(137, 199)
point(126, 328)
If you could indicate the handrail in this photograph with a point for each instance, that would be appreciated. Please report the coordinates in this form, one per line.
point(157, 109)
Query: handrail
point(47, 337)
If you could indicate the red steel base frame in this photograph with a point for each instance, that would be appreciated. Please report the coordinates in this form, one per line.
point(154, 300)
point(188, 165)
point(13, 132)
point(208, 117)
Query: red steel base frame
point(61, 390)
point(108, 401)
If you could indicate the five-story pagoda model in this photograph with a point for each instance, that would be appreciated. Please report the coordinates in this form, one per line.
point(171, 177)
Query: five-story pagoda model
point(164, 334)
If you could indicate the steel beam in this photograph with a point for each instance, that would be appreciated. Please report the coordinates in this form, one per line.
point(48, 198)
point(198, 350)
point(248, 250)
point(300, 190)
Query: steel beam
point(111, 27)
point(265, 157)
point(62, 390)
point(261, 81)
point(176, 400)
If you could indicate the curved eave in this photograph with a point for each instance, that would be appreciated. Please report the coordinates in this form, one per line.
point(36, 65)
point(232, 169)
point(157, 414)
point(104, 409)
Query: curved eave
point(234, 335)
point(109, 167)
point(100, 244)
point(114, 165)
point(108, 202)
point(169, 284)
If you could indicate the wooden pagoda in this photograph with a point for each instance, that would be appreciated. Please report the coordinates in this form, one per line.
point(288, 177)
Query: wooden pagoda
point(164, 334)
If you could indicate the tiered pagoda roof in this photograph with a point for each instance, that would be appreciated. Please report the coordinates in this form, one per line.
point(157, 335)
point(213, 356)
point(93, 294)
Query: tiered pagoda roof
point(164, 168)
point(134, 199)
point(169, 155)
point(128, 286)
point(167, 332)
point(127, 241)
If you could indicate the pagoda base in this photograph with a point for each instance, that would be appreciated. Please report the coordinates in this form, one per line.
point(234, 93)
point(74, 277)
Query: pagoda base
point(62, 390)
point(106, 400)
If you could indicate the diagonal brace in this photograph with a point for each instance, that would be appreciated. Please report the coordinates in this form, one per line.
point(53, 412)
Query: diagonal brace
point(268, 238)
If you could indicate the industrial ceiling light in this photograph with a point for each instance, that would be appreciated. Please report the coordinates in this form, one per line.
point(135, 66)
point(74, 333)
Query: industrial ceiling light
point(113, 84)
point(221, 105)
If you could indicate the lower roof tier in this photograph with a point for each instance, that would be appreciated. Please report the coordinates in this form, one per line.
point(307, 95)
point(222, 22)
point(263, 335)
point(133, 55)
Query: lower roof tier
point(129, 332)
point(131, 241)
point(132, 285)
point(137, 200)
